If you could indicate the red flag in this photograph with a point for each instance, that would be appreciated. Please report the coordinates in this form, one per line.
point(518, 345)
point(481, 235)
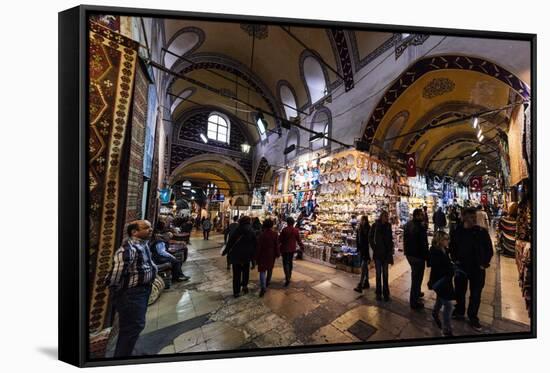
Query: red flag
point(484, 199)
point(476, 183)
point(411, 165)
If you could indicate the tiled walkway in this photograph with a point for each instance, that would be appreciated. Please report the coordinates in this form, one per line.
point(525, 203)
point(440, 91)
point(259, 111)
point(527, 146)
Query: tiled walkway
point(319, 307)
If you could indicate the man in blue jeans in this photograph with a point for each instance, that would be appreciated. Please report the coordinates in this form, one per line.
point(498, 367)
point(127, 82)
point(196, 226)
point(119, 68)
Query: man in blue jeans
point(415, 242)
point(130, 282)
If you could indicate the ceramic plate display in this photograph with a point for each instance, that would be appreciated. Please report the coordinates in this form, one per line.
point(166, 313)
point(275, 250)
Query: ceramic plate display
point(359, 161)
point(339, 176)
point(363, 177)
point(353, 173)
point(351, 160)
point(342, 162)
point(362, 190)
point(374, 167)
point(332, 177)
point(328, 166)
point(322, 167)
point(345, 173)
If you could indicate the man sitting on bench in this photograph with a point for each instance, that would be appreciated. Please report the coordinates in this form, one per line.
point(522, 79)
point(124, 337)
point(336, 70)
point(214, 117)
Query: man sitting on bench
point(159, 249)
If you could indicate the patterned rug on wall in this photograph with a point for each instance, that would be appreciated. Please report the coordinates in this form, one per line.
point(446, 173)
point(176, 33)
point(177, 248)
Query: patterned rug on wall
point(112, 66)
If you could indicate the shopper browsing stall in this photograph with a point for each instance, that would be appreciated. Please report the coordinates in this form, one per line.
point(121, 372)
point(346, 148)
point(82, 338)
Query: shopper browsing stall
point(381, 241)
point(415, 242)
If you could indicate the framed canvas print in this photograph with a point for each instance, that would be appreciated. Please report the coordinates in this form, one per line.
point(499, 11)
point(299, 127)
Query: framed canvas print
point(235, 186)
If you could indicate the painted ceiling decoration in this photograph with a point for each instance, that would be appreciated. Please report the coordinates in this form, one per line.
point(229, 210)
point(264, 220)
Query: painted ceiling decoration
point(438, 87)
point(254, 30)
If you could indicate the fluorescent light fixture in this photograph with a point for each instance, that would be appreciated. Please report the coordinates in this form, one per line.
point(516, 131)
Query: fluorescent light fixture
point(405, 35)
point(192, 191)
point(474, 153)
point(478, 162)
point(479, 133)
point(245, 148)
point(316, 136)
point(204, 139)
point(481, 138)
point(475, 122)
point(290, 149)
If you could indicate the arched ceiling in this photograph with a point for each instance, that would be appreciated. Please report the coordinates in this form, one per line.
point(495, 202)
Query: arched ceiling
point(222, 173)
point(226, 49)
point(437, 97)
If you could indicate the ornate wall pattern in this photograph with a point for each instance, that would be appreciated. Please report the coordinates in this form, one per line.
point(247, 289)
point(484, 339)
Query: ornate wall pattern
point(344, 55)
point(426, 65)
point(137, 146)
point(112, 63)
point(438, 87)
point(263, 167)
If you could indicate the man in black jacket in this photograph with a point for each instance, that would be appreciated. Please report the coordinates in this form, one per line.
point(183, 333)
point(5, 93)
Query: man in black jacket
point(471, 249)
point(415, 240)
point(381, 241)
point(439, 220)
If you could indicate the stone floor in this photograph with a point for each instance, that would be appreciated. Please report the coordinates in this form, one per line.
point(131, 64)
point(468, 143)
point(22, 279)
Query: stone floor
point(319, 307)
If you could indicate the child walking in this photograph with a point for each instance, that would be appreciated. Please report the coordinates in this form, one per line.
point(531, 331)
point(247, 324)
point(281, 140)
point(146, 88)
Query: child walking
point(441, 281)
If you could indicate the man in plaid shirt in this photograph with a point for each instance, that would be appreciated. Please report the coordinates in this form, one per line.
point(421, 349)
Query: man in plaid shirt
point(130, 282)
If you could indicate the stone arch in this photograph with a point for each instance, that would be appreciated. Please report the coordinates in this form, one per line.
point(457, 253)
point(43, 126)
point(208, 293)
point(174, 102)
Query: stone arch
point(433, 63)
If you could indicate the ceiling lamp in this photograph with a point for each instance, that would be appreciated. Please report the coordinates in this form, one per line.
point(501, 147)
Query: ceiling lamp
point(478, 162)
point(204, 139)
point(245, 148)
point(481, 138)
point(475, 153)
point(289, 149)
point(461, 174)
point(475, 122)
point(479, 133)
point(316, 136)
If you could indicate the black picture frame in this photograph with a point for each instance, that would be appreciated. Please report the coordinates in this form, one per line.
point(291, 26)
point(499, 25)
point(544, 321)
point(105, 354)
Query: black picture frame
point(73, 181)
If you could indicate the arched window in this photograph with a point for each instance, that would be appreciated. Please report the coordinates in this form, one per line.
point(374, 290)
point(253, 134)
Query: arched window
point(183, 42)
point(315, 78)
point(321, 122)
point(218, 128)
point(289, 100)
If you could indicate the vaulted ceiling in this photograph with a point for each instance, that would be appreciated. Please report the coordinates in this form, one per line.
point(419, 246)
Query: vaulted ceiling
point(220, 55)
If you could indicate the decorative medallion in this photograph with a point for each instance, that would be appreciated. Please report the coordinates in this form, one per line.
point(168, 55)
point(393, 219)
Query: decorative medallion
point(258, 31)
point(438, 87)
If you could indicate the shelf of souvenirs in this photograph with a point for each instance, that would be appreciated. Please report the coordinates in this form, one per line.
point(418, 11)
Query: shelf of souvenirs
point(341, 256)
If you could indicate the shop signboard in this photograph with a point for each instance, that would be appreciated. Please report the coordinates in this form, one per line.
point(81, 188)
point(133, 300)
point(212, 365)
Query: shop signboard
point(476, 183)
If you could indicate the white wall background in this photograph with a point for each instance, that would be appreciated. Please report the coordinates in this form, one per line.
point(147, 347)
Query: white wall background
point(28, 154)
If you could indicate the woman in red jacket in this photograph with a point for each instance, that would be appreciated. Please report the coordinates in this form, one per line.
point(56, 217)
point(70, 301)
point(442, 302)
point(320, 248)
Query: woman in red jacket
point(267, 252)
point(290, 236)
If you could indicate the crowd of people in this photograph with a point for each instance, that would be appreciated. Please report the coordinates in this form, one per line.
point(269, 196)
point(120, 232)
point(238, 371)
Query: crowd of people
point(457, 261)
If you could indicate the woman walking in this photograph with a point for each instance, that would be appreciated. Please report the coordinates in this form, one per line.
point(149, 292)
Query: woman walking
point(267, 252)
point(363, 248)
point(206, 226)
point(290, 236)
point(441, 280)
point(241, 249)
point(381, 241)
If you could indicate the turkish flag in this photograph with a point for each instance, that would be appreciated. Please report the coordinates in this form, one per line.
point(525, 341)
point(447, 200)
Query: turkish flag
point(411, 165)
point(476, 183)
point(484, 199)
